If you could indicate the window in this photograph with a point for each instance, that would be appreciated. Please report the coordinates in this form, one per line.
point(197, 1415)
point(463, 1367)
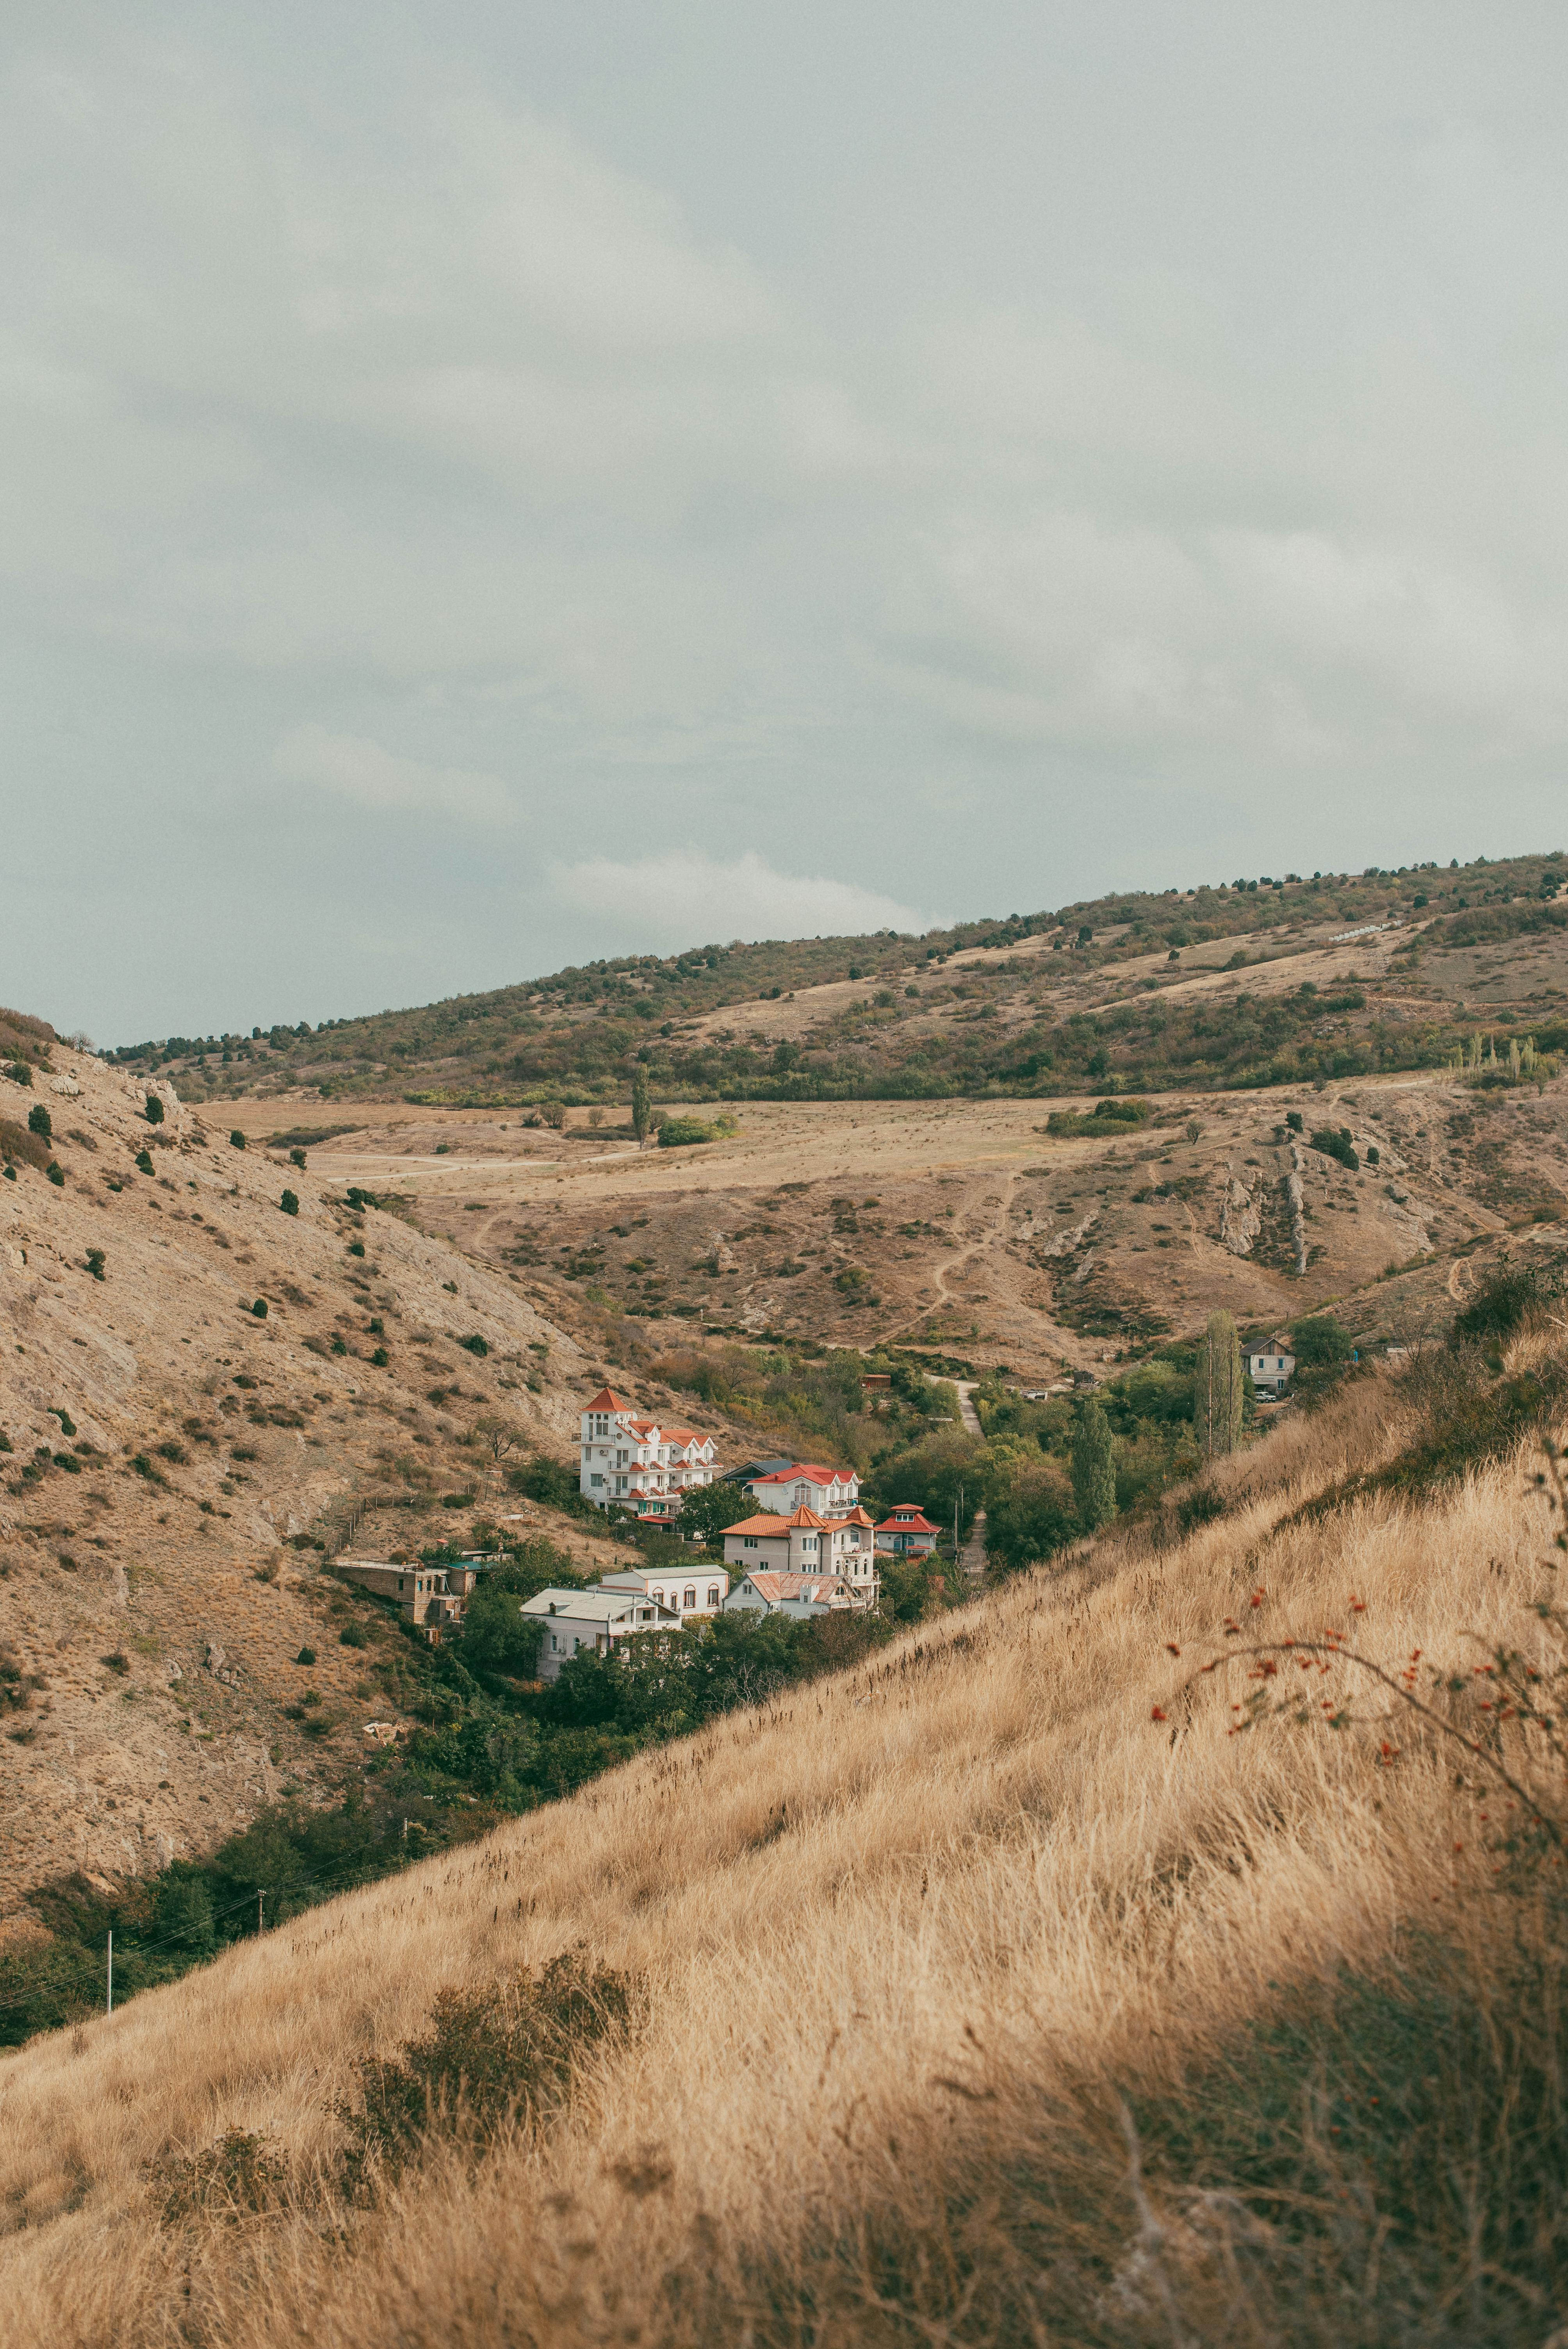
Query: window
point(713, 1594)
point(595, 1479)
point(691, 1598)
point(749, 1541)
point(554, 1643)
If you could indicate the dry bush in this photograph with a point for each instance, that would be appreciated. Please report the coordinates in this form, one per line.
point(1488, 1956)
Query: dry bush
point(981, 2006)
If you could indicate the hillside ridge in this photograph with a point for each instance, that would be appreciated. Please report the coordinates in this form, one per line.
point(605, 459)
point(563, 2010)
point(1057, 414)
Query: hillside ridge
point(1133, 990)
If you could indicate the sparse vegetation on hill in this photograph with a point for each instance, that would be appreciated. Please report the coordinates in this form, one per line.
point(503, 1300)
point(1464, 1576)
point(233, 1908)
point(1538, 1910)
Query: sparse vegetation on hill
point(912, 1028)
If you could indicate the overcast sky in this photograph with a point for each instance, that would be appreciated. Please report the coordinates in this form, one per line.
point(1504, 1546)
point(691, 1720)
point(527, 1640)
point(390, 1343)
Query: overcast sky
point(492, 485)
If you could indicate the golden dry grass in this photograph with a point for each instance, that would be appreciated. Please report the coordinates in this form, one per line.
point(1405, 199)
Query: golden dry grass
point(902, 1941)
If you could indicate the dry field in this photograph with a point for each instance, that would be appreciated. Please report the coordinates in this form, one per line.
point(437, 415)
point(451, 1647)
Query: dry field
point(970, 1227)
point(932, 1967)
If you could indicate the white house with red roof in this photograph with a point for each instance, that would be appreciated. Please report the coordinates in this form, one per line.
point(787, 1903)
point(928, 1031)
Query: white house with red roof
point(787, 1594)
point(906, 1531)
point(829, 1491)
point(642, 1463)
point(806, 1543)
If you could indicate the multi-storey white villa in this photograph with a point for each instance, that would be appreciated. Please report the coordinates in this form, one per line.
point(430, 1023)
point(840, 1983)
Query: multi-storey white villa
point(829, 1491)
point(640, 1462)
point(804, 1543)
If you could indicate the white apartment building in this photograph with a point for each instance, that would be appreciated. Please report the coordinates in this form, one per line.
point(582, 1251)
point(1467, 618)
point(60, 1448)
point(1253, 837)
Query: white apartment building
point(640, 1462)
point(689, 1592)
point(829, 1491)
point(804, 1543)
point(594, 1622)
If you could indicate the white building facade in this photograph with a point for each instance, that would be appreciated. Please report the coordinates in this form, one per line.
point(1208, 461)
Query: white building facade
point(803, 1543)
point(592, 1622)
point(639, 1462)
point(689, 1592)
point(1270, 1366)
point(831, 1492)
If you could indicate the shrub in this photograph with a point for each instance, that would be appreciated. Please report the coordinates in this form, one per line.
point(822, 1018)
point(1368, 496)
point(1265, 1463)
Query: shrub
point(237, 1139)
point(118, 1663)
point(296, 1157)
point(259, 1308)
point(20, 1073)
point(1335, 1143)
point(682, 1133)
point(351, 1635)
point(305, 1656)
point(380, 1357)
point(475, 1345)
point(26, 1148)
point(241, 2176)
point(56, 1176)
point(96, 1262)
point(154, 1111)
point(1105, 1118)
point(38, 1122)
point(289, 1202)
point(1498, 1305)
point(144, 1161)
point(356, 1248)
point(492, 2058)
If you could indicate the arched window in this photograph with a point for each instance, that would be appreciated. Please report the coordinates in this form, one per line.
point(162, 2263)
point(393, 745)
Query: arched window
point(691, 1598)
point(713, 1594)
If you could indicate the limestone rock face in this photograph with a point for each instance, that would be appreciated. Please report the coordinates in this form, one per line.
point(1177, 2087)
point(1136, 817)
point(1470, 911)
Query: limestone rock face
point(1240, 1218)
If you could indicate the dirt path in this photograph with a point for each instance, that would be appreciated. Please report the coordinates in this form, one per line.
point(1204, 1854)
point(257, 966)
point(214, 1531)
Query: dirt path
point(971, 1557)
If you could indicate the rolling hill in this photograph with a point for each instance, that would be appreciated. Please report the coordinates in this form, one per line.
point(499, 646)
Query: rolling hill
point(1337, 976)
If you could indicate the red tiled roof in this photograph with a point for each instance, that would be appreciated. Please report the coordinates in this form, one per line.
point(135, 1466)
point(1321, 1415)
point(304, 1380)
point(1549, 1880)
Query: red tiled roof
point(917, 1524)
point(769, 1524)
point(607, 1400)
point(804, 1468)
point(793, 1586)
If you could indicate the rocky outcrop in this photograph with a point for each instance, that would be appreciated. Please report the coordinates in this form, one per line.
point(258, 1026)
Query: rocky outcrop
point(1240, 1218)
point(1295, 1199)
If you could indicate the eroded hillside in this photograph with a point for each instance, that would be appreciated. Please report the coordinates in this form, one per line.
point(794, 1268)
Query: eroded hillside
point(166, 1448)
point(970, 1230)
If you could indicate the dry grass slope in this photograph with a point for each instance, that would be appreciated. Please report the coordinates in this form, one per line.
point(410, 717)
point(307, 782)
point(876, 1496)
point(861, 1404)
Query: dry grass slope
point(904, 1947)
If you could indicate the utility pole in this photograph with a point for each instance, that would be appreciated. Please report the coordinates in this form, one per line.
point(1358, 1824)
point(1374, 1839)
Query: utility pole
point(260, 1895)
point(108, 2008)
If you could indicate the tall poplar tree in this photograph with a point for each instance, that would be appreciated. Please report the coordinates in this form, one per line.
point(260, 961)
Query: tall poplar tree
point(1217, 1388)
point(642, 1104)
point(1094, 1469)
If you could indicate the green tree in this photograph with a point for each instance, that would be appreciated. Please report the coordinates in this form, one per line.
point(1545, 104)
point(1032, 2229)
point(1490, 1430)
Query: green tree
point(289, 1202)
point(498, 1637)
point(1217, 1391)
point(708, 1509)
point(1320, 1341)
point(38, 1122)
point(1029, 1516)
point(154, 1110)
point(1093, 1469)
point(642, 1104)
